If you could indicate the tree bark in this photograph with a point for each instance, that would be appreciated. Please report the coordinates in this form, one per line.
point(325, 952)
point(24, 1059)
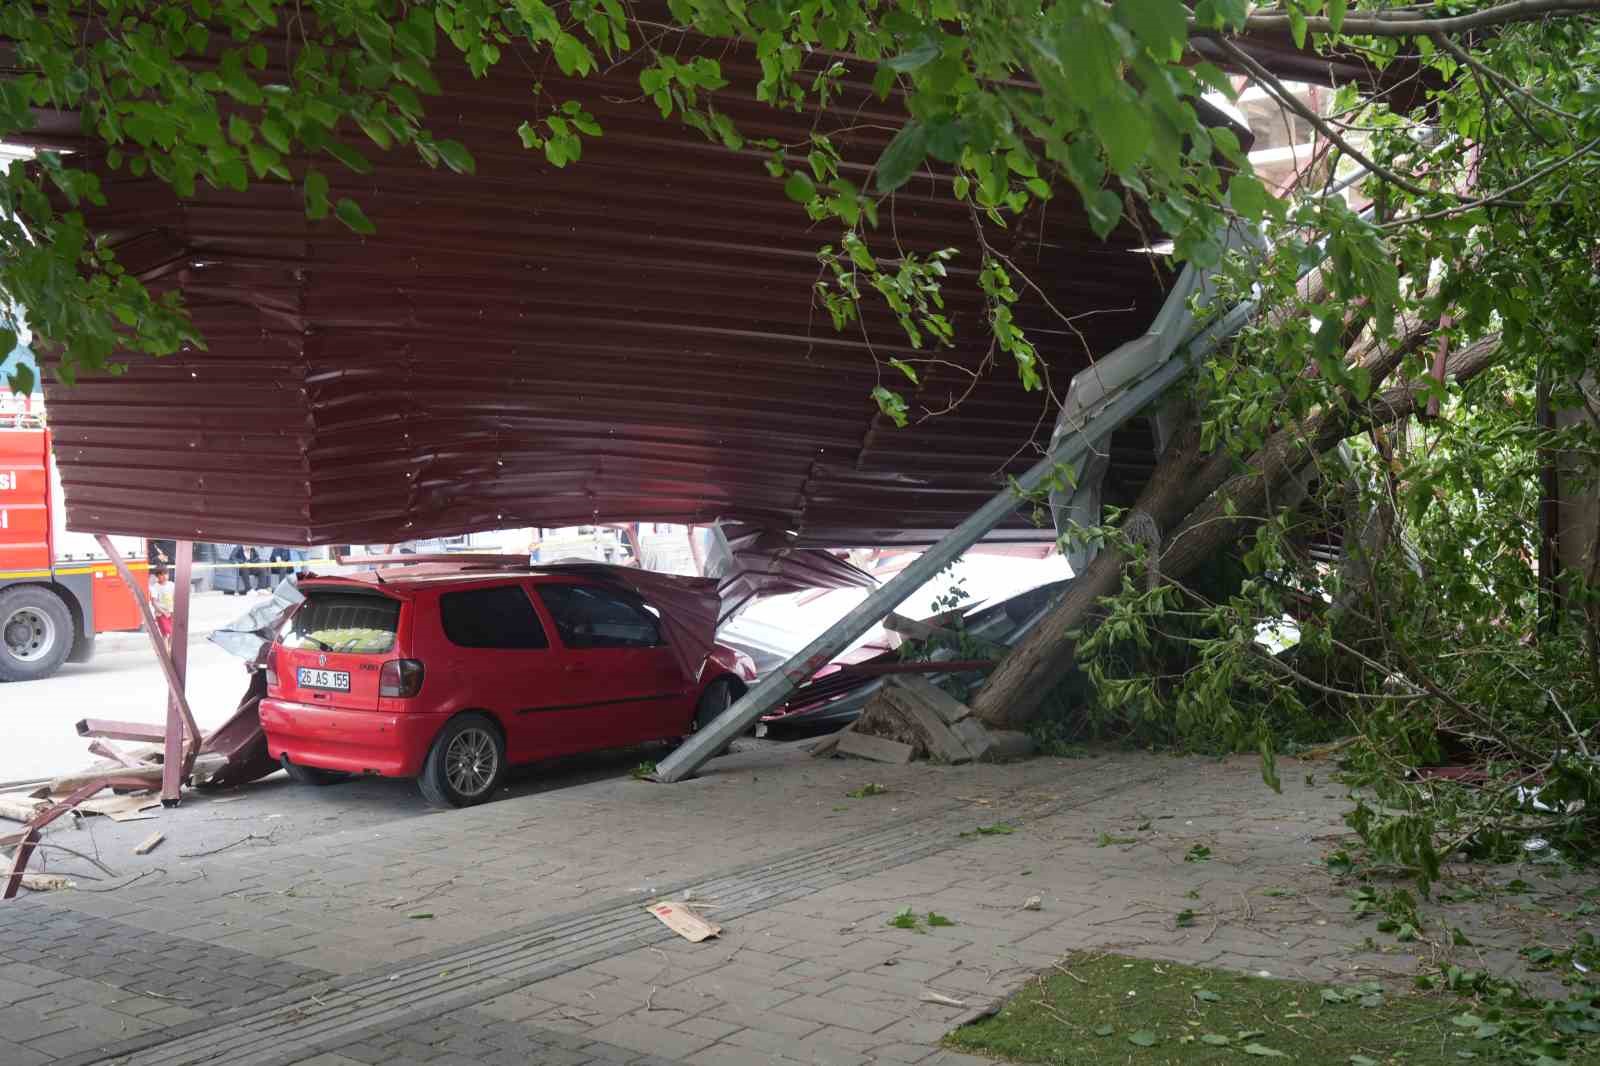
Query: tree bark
point(1208, 504)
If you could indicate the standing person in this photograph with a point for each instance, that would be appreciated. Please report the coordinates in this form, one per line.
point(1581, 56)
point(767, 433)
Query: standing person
point(280, 555)
point(255, 577)
point(161, 600)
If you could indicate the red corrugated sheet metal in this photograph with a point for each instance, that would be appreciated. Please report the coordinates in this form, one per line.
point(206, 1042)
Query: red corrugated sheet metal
point(630, 338)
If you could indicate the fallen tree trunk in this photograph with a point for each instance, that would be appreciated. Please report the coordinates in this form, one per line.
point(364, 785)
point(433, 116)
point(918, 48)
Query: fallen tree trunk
point(1208, 504)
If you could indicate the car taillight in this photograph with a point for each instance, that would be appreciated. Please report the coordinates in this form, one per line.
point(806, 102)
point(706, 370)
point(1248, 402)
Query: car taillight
point(272, 675)
point(400, 678)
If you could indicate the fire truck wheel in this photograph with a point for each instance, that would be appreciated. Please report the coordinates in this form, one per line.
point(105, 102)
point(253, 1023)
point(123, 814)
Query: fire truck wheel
point(35, 633)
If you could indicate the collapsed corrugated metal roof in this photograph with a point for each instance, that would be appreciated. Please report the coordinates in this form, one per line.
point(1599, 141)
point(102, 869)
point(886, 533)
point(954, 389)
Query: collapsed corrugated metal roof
point(630, 338)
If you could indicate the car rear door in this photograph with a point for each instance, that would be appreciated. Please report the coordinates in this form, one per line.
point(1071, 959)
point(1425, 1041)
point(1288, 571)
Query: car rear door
point(615, 654)
point(335, 646)
point(498, 657)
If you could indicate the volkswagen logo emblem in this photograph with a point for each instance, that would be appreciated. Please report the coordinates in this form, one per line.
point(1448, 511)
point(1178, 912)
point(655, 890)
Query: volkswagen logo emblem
point(322, 660)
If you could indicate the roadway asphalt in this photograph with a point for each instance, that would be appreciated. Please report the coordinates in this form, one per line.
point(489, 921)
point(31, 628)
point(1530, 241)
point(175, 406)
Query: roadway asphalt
point(123, 681)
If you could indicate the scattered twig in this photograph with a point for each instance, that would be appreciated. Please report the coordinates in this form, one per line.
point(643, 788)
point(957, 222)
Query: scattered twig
point(242, 840)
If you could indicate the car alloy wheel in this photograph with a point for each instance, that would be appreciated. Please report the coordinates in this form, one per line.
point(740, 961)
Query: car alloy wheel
point(471, 762)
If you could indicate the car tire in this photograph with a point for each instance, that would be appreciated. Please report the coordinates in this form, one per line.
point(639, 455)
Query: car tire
point(718, 697)
point(36, 633)
point(466, 763)
point(310, 775)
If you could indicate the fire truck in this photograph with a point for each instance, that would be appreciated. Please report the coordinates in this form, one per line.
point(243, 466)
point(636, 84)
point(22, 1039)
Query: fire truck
point(58, 590)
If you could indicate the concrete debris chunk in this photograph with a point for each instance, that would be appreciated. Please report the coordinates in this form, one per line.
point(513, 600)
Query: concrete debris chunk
point(942, 744)
point(1007, 744)
point(936, 699)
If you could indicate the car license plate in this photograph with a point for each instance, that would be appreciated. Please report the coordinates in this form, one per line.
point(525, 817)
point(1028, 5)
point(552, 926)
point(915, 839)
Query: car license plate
point(337, 680)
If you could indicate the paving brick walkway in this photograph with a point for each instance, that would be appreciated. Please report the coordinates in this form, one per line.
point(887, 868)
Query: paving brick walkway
point(514, 933)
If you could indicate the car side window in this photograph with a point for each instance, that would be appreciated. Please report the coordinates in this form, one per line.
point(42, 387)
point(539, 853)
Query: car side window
point(498, 617)
point(590, 617)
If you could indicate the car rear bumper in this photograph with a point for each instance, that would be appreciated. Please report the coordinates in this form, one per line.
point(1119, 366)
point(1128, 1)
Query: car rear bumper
point(359, 742)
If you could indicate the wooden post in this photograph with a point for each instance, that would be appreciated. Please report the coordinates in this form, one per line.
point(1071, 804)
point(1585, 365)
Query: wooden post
point(179, 756)
point(163, 653)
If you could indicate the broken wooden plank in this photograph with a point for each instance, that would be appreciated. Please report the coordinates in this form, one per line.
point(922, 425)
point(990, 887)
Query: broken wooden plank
point(682, 919)
point(878, 749)
point(150, 844)
point(942, 744)
point(44, 882)
point(133, 777)
point(20, 808)
point(941, 702)
point(121, 808)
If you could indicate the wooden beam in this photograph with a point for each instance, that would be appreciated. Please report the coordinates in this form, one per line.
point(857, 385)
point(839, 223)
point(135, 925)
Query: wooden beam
point(179, 757)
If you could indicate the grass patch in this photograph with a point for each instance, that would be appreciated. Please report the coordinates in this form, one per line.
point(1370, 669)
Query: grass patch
point(1131, 1011)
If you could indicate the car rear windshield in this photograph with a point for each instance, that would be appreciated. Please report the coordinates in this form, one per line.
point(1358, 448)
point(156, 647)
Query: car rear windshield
point(344, 621)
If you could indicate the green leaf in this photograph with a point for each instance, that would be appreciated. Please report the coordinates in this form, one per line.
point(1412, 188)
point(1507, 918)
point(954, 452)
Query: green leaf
point(1143, 1038)
point(349, 212)
point(1105, 211)
point(905, 368)
point(1215, 1039)
point(456, 156)
point(1248, 196)
point(892, 404)
point(1297, 25)
point(349, 157)
point(1264, 1052)
point(1160, 25)
point(902, 157)
point(1104, 1030)
point(1124, 130)
point(315, 188)
point(800, 188)
point(1362, 1060)
point(1207, 996)
point(914, 59)
point(1336, 10)
point(1269, 765)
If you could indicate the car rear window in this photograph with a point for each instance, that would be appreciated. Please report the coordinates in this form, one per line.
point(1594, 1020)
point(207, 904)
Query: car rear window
point(344, 621)
point(498, 617)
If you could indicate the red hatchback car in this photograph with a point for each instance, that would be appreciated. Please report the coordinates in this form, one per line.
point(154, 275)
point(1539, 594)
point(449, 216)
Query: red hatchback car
point(451, 678)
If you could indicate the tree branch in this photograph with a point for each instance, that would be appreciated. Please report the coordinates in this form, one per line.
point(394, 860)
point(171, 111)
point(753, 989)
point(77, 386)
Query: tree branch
point(1267, 80)
point(1422, 24)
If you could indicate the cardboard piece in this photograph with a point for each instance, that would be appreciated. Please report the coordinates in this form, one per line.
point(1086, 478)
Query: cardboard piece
point(681, 919)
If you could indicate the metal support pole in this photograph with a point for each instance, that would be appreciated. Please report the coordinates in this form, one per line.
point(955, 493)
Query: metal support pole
point(1096, 422)
point(179, 756)
point(163, 653)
